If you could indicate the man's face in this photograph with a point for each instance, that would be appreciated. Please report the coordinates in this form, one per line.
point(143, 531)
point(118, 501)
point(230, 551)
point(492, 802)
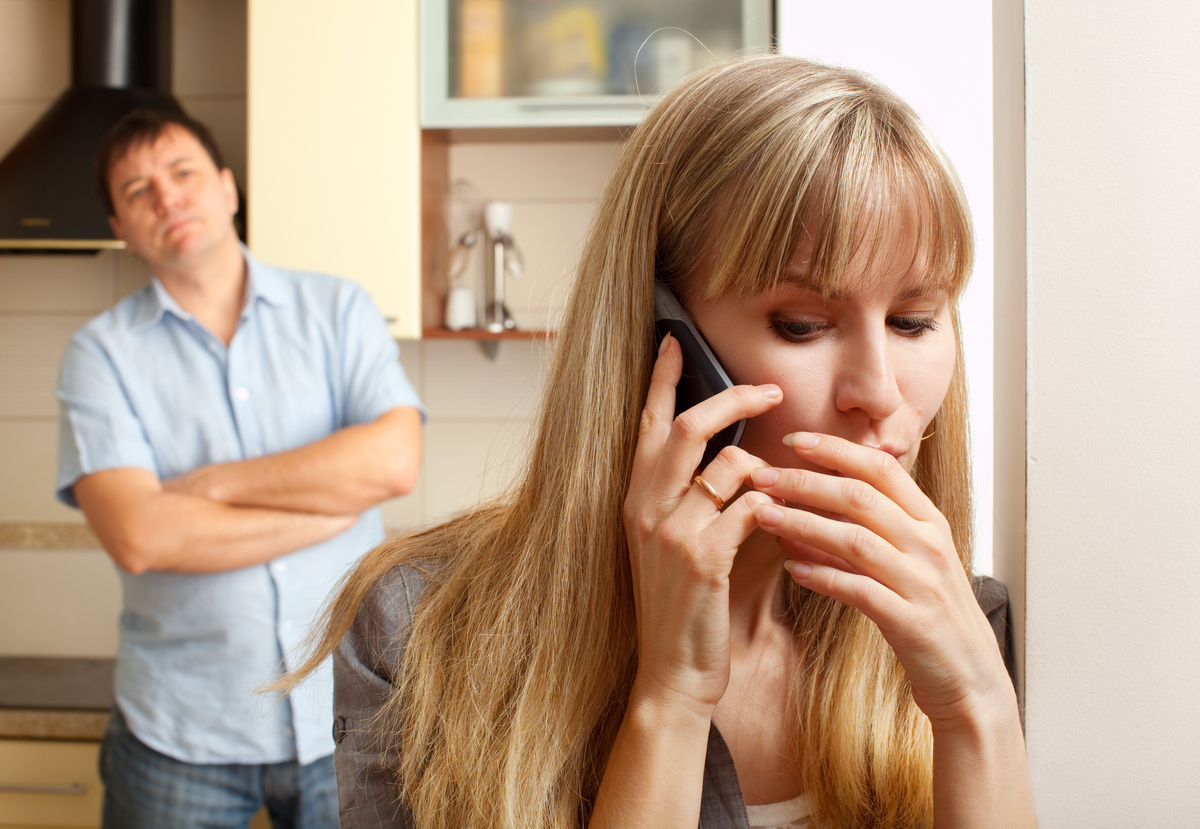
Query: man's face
point(171, 204)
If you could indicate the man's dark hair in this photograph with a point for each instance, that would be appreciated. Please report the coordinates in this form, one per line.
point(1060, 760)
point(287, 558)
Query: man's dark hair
point(145, 126)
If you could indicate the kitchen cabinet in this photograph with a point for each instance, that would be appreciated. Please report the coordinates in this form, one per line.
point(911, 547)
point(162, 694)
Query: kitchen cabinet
point(334, 145)
point(52, 715)
point(542, 63)
point(49, 783)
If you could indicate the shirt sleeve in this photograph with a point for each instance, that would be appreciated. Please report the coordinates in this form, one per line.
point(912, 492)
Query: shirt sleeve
point(367, 756)
point(98, 427)
point(375, 380)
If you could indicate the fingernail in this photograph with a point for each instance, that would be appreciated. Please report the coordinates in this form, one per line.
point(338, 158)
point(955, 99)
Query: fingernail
point(663, 345)
point(797, 569)
point(800, 440)
point(771, 392)
point(770, 515)
point(764, 476)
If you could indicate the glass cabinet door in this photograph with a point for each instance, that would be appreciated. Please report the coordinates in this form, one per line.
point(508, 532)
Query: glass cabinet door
point(521, 63)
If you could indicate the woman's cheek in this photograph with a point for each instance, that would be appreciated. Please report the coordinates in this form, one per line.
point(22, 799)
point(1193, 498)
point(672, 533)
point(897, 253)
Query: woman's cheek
point(805, 383)
point(933, 376)
point(763, 437)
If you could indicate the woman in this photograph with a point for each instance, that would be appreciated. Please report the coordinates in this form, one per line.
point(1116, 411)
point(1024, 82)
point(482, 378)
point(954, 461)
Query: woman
point(623, 642)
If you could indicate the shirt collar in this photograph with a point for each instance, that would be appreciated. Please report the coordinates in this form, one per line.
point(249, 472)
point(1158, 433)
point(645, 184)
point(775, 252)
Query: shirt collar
point(262, 283)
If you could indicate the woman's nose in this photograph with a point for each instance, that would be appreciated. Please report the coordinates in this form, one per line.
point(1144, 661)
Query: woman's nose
point(867, 380)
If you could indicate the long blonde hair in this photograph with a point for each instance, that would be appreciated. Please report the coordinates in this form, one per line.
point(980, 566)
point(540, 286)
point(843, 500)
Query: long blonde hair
point(522, 652)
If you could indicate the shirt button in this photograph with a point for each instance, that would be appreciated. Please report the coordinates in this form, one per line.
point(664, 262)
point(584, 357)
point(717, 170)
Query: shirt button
point(242, 394)
point(286, 625)
point(339, 729)
point(279, 568)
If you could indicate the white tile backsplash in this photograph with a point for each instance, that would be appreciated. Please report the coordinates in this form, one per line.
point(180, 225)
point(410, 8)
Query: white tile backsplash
point(31, 349)
point(55, 284)
point(58, 603)
point(550, 236)
point(28, 456)
point(412, 360)
point(408, 512)
point(534, 170)
point(470, 460)
point(131, 274)
point(463, 383)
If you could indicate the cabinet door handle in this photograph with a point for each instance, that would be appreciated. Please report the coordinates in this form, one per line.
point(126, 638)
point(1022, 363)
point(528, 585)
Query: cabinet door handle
point(76, 789)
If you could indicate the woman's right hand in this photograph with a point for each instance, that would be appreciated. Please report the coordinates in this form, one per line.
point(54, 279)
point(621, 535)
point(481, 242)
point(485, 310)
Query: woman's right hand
point(681, 547)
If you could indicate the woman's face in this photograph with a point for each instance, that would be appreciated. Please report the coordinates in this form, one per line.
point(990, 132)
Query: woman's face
point(871, 365)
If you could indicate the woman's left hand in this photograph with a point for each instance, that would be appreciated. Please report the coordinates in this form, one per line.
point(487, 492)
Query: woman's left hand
point(869, 537)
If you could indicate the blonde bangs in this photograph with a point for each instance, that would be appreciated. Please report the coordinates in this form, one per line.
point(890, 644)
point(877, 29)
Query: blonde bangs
point(856, 179)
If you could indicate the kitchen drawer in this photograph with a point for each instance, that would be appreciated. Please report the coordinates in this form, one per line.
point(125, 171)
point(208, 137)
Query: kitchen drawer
point(47, 783)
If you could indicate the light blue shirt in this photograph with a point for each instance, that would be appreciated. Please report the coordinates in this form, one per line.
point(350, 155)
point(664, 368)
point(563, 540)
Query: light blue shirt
point(144, 385)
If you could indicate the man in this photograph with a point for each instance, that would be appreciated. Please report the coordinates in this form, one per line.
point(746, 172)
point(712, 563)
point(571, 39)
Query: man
point(228, 431)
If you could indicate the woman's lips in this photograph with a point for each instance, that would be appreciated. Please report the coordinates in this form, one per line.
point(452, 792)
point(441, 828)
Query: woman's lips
point(889, 448)
point(899, 454)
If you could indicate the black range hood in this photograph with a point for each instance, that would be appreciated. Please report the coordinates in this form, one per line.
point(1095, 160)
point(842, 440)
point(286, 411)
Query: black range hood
point(120, 61)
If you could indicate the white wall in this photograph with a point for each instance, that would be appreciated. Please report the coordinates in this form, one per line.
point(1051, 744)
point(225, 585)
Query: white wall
point(1113, 561)
point(937, 55)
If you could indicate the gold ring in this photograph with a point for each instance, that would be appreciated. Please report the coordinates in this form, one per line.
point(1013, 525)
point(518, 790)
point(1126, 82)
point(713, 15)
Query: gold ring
point(712, 493)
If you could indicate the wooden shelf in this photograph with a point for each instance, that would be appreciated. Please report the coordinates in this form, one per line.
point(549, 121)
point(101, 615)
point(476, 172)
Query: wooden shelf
point(500, 135)
point(482, 334)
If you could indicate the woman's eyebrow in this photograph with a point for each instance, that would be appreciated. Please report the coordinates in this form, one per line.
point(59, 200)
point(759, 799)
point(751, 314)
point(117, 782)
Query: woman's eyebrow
point(919, 290)
point(924, 291)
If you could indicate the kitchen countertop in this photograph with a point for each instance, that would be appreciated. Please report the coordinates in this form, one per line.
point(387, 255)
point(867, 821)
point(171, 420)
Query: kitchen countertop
point(47, 536)
point(50, 698)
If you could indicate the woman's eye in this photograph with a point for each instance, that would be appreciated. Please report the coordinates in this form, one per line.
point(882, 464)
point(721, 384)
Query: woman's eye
point(798, 331)
point(913, 326)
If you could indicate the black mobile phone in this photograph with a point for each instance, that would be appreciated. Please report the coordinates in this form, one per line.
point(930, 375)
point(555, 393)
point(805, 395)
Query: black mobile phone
point(703, 376)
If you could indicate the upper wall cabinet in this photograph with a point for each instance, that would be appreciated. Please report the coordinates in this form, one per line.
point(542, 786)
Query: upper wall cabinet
point(334, 145)
point(543, 63)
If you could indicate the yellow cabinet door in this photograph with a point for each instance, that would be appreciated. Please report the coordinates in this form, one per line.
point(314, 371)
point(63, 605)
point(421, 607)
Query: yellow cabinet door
point(47, 783)
point(334, 145)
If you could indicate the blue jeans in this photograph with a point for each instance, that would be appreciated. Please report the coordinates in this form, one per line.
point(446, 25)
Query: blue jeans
point(144, 789)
